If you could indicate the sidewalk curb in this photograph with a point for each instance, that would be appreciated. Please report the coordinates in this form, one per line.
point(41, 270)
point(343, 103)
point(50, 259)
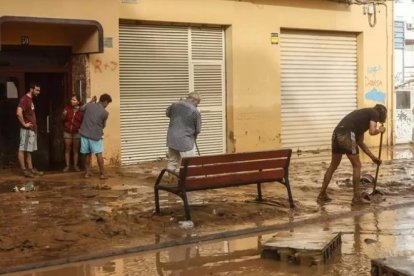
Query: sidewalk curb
point(193, 240)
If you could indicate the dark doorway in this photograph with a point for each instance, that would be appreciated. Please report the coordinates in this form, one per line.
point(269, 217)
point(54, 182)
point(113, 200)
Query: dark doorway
point(51, 67)
point(49, 106)
point(11, 87)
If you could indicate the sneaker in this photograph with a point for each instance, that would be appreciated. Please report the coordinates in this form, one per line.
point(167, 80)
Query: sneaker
point(36, 172)
point(87, 175)
point(103, 176)
point(28, 174)
point(76, 168)
point(66, 169)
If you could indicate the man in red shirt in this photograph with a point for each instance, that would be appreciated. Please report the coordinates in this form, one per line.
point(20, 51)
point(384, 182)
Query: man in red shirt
point(28, 130)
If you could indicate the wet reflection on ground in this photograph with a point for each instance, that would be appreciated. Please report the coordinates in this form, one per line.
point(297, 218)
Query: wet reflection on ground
point(366, 237)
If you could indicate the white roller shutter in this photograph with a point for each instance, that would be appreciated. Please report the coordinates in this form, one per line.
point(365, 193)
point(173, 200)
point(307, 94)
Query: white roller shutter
point(318, 84)
point(207, 71)
point(157, 67)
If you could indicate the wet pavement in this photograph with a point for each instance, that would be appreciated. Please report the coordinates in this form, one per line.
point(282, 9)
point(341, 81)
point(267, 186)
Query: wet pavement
point(68, 218)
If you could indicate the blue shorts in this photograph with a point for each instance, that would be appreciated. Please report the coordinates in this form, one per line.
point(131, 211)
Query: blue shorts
point(91, 146)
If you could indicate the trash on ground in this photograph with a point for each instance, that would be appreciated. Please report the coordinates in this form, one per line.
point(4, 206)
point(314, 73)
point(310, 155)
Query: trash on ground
point(26, 188)
point(186, 224)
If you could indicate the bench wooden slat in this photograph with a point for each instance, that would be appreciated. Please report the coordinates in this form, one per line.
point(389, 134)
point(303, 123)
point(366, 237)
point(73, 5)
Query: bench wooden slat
point(228, 158)
point(201, 183)
point(245, 166)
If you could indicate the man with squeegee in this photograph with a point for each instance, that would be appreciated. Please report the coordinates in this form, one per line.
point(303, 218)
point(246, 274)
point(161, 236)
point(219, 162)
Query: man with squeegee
point(346, 138)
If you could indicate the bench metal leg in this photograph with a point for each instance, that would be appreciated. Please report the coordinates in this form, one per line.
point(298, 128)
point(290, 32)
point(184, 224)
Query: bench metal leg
point(292, 205)
point(157, 200)
point(156, 191)
point(259, 192)
point(186, 206)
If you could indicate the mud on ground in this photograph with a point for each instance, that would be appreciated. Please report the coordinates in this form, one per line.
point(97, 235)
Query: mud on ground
point(68, 215)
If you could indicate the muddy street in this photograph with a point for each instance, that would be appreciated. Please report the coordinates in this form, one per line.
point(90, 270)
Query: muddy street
point(370, 236)
point(67, 218)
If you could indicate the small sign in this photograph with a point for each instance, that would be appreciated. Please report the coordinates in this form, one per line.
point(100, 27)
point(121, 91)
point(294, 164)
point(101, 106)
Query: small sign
point(108, 42)
point(274, 38)
point(24, 40)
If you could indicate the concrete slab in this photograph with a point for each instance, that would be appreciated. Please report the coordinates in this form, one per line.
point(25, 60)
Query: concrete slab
point(303, 248)
point(396, 266)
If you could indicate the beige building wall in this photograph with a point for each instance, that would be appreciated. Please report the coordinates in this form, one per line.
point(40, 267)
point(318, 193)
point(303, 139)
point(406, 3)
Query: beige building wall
point(252, 62)
point(253, 68)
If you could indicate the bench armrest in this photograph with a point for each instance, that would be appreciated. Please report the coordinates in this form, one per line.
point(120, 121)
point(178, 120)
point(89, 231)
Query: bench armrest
point(157, 182)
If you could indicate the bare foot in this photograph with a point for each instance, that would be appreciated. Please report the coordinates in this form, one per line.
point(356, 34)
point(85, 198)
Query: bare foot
point(323, 198)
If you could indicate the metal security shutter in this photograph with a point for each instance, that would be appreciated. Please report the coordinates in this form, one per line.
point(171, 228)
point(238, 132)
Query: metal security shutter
point(156, 69)
point(207, 71)
point(318, 84)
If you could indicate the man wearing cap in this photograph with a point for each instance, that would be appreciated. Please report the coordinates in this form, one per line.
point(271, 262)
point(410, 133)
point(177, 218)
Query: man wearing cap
point(346, 138)
point(185, 125)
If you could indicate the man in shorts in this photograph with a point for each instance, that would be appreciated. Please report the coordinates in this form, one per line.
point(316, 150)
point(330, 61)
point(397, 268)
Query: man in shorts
point(346, 138)
point(28, 130)
point(91, 131)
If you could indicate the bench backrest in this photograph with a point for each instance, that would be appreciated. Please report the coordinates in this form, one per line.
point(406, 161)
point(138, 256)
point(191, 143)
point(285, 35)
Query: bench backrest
point(213, 171)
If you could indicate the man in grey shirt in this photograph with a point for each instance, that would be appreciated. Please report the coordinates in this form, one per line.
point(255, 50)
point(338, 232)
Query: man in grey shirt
point(91, 131)
point(185, 125)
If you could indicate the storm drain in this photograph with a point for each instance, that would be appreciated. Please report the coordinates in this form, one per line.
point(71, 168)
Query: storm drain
point(395, 266)
point(303, 248)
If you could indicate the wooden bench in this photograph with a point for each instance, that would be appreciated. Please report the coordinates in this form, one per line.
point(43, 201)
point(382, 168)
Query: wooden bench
point(226, 170)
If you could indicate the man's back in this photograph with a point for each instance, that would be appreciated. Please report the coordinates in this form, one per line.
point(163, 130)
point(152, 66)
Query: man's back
point(185, 124)
point(94, 120)
point(358, 120)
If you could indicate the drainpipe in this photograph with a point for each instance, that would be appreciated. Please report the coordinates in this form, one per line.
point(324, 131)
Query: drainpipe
point(389, 72)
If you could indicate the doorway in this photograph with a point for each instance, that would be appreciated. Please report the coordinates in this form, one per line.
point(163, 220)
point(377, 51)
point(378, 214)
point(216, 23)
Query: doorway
point(403, 116)
point(11, 87)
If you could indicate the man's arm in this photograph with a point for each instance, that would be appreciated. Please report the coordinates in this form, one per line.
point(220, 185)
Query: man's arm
point(197, 124)
point(83, 107)
point(19, 113)
point(365, 149)
point(168, 111)
point(104, 120)
point(374, 130)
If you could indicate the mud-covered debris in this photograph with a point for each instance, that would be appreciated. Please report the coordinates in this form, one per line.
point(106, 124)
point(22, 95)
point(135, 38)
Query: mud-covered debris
point(219, 212)
point(7, 244)
point(370, 241)
point(89, 195)
point(27, 244)
point(67, 237)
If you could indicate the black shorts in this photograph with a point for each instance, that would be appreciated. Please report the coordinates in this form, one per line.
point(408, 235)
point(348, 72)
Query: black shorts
point(344, 141)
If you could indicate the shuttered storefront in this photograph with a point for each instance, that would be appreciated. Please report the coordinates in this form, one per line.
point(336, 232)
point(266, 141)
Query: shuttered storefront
point(160, 65)
point(318, 84)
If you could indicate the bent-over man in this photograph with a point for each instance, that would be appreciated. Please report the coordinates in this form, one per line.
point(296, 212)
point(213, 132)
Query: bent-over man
point(184, 126)
point(346, 138)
